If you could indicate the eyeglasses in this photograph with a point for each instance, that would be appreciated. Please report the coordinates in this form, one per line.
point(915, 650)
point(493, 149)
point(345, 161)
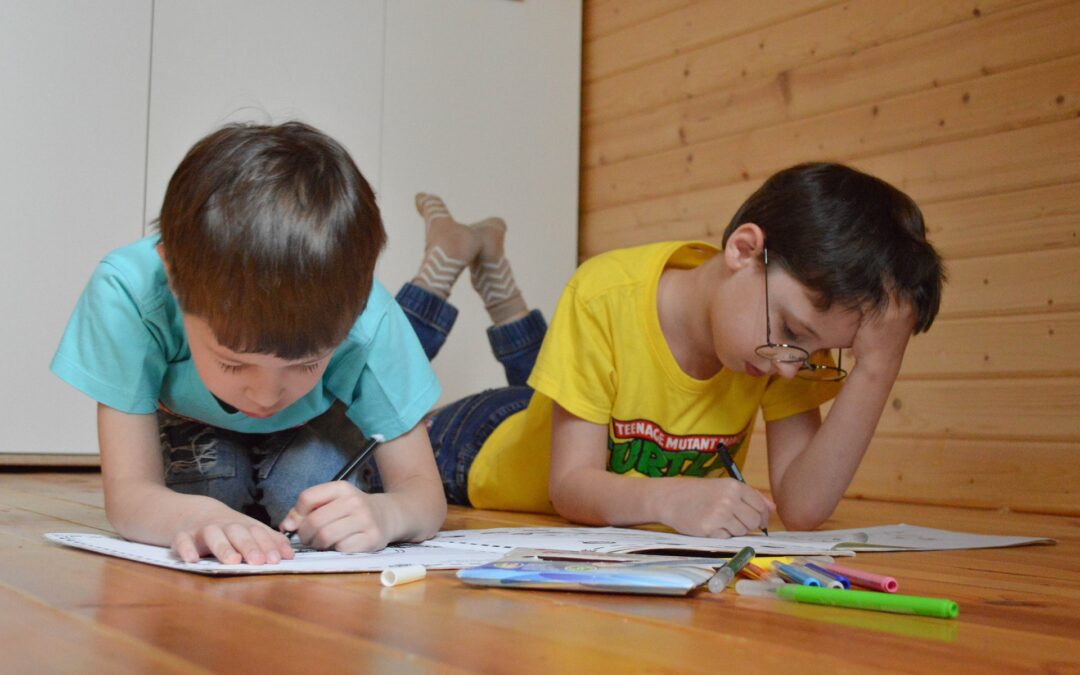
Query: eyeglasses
point(783, 353)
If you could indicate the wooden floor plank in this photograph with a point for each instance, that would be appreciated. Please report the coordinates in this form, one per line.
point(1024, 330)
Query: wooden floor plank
point(1018, 608)
point(39, 639)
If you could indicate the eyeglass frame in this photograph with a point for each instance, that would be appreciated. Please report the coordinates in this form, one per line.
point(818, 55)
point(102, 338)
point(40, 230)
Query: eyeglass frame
point(806, 366)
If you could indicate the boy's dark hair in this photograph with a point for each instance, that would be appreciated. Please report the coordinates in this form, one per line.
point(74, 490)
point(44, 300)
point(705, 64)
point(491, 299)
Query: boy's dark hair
point(271, 235)
point(849, 237)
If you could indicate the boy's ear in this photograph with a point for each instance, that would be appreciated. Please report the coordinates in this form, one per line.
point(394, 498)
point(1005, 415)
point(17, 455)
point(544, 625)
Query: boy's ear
point(744, 246)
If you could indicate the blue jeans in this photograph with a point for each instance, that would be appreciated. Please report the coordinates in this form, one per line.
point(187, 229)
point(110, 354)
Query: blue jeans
point(263, 474)
point(260, 474)
point(459, 429)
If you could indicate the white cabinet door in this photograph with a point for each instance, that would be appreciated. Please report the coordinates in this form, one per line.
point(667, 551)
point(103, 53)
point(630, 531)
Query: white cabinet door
point(73, 94)
point(266, 61)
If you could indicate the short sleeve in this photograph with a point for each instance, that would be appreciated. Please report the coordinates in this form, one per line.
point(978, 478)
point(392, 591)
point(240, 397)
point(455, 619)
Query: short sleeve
point(108, 351)
point(576, 365)
point(784, 398)
point(395, 387)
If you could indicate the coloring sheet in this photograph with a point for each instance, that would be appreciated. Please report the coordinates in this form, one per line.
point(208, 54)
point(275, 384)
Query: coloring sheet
point(621, 540)
point(306, 560)
point(456, 549)
point(906, 538)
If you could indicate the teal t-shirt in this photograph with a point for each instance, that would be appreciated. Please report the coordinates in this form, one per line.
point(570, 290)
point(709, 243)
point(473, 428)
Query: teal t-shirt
point(125, 347)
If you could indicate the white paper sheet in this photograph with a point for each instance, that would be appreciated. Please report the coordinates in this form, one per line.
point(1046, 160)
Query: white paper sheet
point(455, 549)
point(906, 538)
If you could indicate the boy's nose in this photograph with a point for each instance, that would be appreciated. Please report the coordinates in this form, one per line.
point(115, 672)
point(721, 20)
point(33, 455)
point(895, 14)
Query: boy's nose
point(788, 370)
point(265, 394)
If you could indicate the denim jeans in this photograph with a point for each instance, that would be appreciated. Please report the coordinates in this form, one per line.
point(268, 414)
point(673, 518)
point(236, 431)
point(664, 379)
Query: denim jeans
point(263, 474)
point(459, 429)
point(260, 474)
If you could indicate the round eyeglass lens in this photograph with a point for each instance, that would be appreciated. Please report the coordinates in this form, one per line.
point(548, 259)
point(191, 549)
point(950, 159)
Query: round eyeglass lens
point(782, 353)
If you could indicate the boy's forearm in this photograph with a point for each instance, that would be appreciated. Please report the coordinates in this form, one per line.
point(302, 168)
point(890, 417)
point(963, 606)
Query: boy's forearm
point(415, 510)
point(816, 479)
point(154, 514)
point(597, 497)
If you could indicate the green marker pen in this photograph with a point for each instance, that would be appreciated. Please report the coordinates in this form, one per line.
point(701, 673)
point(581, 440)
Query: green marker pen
point(727, 572)
point(878, 602)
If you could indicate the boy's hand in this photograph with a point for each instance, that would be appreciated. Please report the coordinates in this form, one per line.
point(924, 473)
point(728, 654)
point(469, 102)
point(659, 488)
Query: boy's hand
point(881, 339)
point(338, 516)
point(241, 539)
point(720, 507)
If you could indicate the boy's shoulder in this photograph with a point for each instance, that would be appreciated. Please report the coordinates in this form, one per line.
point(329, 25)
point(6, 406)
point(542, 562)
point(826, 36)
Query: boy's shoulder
point(137, 260)
point(624, 267)
point(135, 268)
point(379, 304)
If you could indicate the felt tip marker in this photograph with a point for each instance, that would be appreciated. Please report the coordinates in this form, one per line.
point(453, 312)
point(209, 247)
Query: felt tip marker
point(752, 571)
point(733, 470)
point(878, 602)
point(870, 580)
point(359, 458)
point(826, 580)
point(839, 578)
point(729, 569)
point(794, 575)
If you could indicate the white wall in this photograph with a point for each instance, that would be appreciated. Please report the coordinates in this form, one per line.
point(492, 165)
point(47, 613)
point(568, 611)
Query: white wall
point(482, 108)
point(217, 61)
point(73, 93)
point(476, 100)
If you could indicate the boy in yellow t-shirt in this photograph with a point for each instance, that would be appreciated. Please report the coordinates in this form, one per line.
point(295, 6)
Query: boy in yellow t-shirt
point(659, 357)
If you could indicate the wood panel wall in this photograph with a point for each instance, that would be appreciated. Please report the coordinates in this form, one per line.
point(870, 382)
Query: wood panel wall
point(970, 106)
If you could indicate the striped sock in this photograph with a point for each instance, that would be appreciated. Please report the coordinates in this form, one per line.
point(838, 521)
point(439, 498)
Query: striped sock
point(492, 277)
point(448, 247)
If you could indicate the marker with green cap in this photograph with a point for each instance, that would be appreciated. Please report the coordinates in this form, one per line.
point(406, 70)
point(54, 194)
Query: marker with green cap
point(878, 602)
point(728, 570)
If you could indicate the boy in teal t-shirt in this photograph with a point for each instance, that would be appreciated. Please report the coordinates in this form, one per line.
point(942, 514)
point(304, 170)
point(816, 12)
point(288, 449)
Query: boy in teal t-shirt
point(249, 343)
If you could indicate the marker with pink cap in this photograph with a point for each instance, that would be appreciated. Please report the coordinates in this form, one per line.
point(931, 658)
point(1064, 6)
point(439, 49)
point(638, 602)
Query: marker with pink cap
point(865, 579)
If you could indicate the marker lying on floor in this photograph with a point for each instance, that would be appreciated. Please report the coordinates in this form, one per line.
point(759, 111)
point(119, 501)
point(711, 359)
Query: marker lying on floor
point(402, 574)
point(727, 572)
point(865, 579)
point(878, 602)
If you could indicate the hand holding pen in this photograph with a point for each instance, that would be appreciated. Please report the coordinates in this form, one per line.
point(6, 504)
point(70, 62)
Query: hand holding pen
point(733, 470)
point(359, 459)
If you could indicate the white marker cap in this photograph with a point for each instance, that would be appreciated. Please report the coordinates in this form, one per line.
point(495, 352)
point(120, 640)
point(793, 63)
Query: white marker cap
point(402, 574)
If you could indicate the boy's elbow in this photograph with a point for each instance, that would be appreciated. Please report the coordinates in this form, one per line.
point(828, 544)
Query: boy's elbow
point(801, 519)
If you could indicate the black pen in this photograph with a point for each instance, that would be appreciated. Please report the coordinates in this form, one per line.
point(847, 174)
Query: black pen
point(725, 456)
point(357, 460)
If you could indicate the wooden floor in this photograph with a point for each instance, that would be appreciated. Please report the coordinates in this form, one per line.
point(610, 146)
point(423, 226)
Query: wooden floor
point(64, 610)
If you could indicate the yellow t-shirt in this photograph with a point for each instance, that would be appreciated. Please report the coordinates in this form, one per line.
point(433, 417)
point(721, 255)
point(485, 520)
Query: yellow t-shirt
point(605, 360)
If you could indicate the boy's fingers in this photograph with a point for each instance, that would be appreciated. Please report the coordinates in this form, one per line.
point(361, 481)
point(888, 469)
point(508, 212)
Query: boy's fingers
point(747, 516)
point(311, 499)
point(218, 544)
point(265, 539)
point(243, 540)
point(291, 522)
point(284, 547)
point(184, 546)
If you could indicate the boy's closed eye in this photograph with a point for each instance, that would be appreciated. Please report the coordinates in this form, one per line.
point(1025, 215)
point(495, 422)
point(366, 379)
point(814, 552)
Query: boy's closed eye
point(230, 368)
point(233, 368)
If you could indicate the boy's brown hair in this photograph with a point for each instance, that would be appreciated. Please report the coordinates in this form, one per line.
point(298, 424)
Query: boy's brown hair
point(271, 234)
point(849, 237)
